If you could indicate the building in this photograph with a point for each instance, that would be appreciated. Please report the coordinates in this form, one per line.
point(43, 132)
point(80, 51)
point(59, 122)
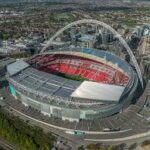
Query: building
point(74, 84)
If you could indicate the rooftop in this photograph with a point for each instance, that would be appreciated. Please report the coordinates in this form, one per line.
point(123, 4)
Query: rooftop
point(46, 83)
point(16, 67)
point(99, 91)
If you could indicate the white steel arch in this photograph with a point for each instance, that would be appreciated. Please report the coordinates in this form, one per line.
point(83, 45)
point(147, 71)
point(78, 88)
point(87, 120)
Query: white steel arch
point(91, 21)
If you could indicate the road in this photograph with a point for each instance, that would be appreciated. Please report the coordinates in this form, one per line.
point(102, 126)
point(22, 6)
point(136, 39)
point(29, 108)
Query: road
point(6, 145)
point(75, 142)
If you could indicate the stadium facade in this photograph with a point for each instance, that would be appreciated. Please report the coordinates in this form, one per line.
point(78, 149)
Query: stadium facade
point(75, 83)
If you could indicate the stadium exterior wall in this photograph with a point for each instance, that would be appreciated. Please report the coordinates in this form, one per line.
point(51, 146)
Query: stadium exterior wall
point(72, 114)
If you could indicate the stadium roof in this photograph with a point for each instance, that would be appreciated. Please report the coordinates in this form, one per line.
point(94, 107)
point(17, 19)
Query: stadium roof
point(99, 91)
point(46, 83)
point(16, 67)
point(50, 84)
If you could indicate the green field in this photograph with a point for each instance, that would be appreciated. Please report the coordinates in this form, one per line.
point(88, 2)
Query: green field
point(72, 77)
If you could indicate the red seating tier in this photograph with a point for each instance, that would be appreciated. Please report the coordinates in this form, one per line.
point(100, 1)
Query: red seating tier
point(72, 67)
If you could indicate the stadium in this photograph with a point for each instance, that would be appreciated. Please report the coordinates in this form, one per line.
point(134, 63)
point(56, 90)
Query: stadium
point(75, 83)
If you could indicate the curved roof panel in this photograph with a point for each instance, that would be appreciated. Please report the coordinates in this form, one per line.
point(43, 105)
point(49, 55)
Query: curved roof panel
point(102, 92)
